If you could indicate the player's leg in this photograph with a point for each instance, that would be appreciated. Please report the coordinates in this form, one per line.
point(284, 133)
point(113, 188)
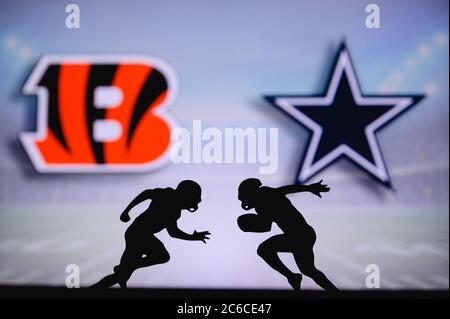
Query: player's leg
point(150, 253)
point(154, 253)
point(106, 282)
point(128, 263)
point(304, 257)
point(122, 272)
point(269, 249)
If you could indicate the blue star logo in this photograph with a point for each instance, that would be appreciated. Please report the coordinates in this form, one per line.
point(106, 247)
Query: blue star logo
point(343, 121)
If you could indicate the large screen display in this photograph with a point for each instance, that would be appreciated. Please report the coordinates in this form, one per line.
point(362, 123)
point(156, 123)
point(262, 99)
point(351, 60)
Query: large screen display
point(107, 106)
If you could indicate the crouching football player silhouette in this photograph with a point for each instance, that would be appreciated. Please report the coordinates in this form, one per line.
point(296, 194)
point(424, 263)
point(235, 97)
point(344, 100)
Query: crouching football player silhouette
point(143, 249)
point(272, 206)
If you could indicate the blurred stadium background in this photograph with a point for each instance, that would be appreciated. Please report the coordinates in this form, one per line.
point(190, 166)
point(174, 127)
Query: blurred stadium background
point(227, 54)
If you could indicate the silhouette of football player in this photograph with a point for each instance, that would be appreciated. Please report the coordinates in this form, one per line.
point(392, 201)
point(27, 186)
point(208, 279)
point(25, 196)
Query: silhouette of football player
point(272, 206)
point(142, 248)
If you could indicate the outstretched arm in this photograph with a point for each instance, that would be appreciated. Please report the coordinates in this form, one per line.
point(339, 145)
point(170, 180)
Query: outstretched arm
point(315, 188)
point(175, 232)
point(145, 195)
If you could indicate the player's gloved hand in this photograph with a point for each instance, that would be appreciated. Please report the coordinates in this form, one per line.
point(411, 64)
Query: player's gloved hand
point(125, 217)
point(318, 188)
point(203, 235)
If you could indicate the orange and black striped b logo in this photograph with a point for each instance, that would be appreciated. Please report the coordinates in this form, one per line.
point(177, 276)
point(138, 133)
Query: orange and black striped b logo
point(100, 113)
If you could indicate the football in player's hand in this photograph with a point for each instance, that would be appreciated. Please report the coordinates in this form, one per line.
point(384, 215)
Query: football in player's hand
point(248, 222)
